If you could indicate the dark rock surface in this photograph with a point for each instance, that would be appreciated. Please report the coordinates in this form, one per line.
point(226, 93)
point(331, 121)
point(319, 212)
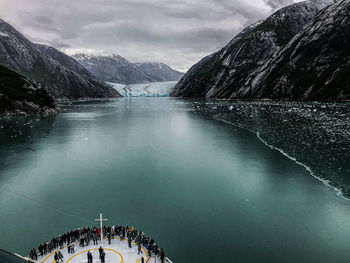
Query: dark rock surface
point(58, 73)
point(19, 95)
point(290, 55)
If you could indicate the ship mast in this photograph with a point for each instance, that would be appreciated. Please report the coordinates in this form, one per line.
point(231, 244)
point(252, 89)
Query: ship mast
point(101, 219)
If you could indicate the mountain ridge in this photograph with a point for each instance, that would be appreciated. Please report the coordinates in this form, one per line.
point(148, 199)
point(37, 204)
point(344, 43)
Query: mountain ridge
point(316, 62)
point(115, 68)
point(227, 74)
point(38, 62)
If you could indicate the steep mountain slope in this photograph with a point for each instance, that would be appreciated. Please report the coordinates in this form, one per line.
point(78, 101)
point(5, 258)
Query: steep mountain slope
point(95, 87)
point(315, 65)
point(38, 62)
point(114, 68)
point(19, 95)
point(223, 73)
point(159, 71)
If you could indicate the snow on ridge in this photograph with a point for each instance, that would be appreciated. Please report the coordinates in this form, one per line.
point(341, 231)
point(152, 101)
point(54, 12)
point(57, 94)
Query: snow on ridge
point(93, 54)
point(2, 34)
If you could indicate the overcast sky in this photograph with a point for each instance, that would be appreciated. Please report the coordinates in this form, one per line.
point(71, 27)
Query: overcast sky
point(176, 32)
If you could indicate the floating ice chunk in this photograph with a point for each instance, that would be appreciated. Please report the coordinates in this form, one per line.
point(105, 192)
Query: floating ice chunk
point(230, 108)
point(86, 138)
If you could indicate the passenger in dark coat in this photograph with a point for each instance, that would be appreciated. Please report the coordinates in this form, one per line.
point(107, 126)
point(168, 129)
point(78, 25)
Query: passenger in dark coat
point(129, 240)
point(101, 251)
point(89, 256)
point(103, 257)
point(139, 248)
point(95, 238)
point(60, 255)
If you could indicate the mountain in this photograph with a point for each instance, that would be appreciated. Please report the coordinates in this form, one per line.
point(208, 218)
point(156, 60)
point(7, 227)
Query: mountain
point(19, 95)
point(58, 73)
point(160, 72)
point(228, 72)
point(315, 65)
point(114, 68)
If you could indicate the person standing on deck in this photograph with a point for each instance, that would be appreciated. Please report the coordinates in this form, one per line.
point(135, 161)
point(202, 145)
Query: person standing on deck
point(61, 242)
point(98, 232)
point(82, 240)
point(89, 256)
point(95, 238)
point(56, 258)
point(109, 237)
point(103, 257)
point(129, 240)
point(41, 249)
point(139, 248)
point(149, 249)
point(101, 251)
point(60, 255)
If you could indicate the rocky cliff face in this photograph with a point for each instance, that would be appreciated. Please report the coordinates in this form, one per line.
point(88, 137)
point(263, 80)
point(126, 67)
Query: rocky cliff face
point(19, 95)
point(114, 68)
point(229, 72)
point(314, 65)
point(56, 72)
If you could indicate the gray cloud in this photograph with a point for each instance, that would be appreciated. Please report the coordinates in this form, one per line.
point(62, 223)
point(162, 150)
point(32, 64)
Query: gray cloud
point(176, 32)
point(277, 4)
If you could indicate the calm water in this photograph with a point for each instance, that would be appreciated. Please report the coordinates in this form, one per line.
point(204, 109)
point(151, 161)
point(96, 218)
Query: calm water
point(205, 190)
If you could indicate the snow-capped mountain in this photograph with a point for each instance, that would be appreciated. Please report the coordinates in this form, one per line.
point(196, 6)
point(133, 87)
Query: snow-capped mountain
point(114, 68)
point(159, 71)
point(229, 73)
point(59, 74)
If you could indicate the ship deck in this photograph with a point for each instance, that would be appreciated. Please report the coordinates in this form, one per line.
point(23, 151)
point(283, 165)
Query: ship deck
point(117, 251)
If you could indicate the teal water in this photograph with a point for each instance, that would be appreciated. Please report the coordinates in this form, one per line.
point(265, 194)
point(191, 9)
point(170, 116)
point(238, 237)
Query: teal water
point(206, 191)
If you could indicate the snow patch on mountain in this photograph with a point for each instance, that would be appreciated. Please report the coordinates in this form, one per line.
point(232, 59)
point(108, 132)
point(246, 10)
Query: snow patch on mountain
point(2, 34)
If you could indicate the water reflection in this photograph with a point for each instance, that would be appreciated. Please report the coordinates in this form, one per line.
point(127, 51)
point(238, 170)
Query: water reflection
point(206, 190)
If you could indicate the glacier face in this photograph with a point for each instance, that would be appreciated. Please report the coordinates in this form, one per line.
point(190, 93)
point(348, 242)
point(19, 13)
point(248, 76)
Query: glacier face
point(156, 89)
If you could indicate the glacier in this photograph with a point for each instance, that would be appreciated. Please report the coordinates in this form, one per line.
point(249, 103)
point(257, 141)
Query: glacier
point(156, 89)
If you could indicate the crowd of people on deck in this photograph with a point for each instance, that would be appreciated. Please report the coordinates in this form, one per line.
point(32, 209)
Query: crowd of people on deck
point(85, 235)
